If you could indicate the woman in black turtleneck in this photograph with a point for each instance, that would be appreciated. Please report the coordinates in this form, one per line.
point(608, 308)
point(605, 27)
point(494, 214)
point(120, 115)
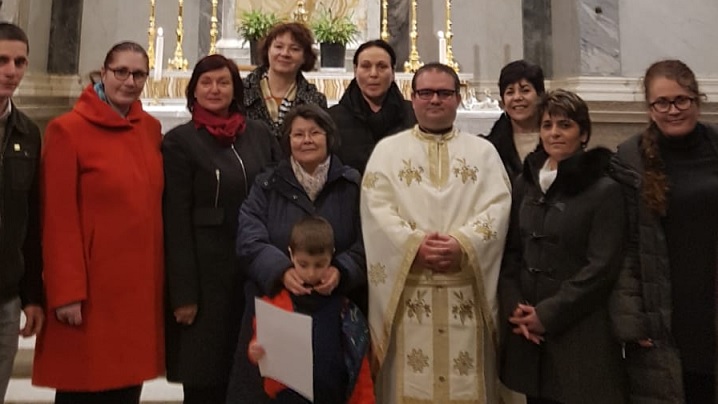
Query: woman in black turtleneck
point(372, 107)
point(665, 306)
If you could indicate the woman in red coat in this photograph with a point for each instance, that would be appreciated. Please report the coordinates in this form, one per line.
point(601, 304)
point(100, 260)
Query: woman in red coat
point(102, 183)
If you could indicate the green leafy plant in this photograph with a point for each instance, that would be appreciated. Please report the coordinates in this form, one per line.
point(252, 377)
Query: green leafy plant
point(330, 28)
point(255, 24)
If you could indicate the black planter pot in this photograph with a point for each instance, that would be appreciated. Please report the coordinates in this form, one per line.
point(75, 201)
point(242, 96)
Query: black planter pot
point(254, 58)
point(332, 54)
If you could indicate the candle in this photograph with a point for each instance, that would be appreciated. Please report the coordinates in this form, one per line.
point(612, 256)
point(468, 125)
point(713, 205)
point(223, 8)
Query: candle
point(442, 47)
point(159, 48)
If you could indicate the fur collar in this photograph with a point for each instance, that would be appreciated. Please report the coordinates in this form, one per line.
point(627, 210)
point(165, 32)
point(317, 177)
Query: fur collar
point(575, 173)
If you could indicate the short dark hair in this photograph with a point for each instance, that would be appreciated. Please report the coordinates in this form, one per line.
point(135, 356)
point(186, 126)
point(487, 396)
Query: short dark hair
point(376, 43)
point(519, 70)
point(216, 62)
point(438, 67)
point(314, 113)
point(125, 46)
point(11, 32)
point(312, 235)
point(300, 33)
point(566, 103)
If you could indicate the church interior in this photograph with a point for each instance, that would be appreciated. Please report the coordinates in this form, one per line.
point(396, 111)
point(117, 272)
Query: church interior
point(596, 48)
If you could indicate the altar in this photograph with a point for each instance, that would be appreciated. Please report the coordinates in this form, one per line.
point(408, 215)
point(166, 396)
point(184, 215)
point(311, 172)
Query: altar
point(165, 98)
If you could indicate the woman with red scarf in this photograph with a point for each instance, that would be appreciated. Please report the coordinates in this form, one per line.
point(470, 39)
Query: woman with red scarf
point(210, 162)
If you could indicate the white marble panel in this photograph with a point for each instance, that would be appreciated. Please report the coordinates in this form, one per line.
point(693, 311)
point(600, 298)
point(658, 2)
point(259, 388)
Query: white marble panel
point(500, 38)
point(656, 29)
point(600, 45)
point(35, 18)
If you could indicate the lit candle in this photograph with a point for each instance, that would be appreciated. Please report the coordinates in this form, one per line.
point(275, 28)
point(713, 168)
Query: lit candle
point(442, 47)
point(159, 48)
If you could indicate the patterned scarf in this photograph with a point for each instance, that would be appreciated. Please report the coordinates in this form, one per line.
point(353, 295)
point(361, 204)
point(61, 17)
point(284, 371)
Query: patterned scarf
point(100, 91)
point(277, 112)
point(312, 183)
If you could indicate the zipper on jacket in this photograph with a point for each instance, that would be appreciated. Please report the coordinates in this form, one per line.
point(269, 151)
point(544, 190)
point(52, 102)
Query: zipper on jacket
point(244, 171)
point(216, 192)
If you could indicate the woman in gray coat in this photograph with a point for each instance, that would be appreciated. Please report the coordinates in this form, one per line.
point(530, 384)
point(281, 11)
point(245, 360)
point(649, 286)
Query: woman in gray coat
point(562, 258)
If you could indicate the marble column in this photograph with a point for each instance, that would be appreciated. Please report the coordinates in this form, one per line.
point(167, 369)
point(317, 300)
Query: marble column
point(205, 24)
point(585, 38)
point(537, 34)
point(230, 45)
point(399, 14)
point(9, 11)
point(65, 29)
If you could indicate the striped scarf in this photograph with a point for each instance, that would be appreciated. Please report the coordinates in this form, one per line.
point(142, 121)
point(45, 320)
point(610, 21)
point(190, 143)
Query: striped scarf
point(277, 112)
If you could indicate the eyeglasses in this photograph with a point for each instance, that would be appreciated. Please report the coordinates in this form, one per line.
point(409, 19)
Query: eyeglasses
point(681, 103)
point(301, 135)
point(427, 94)
point(123, 73)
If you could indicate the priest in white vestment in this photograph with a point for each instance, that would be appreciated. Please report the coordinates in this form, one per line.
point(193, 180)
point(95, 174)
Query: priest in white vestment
point(435, 208)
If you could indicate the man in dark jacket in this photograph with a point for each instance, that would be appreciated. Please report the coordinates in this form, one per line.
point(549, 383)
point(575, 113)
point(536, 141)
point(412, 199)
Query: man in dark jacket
point(20, 256)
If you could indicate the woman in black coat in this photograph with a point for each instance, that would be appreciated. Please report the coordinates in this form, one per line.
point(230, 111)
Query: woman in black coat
point(210, 164)
point(562, 259)
point(372, 107)
point(310, 181)
point(664, 308)
point(515, 133)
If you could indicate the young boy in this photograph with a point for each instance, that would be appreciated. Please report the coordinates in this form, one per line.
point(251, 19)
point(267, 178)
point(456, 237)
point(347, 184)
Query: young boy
point(340, 336)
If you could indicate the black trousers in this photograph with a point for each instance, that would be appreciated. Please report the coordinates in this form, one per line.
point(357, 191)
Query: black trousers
point(127, 395)
point(699, 388)
point(216, 394)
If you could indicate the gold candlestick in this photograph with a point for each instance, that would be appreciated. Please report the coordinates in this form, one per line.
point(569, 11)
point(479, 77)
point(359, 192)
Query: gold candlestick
point(213, 31)
point(300, 13)
point(384, 20)
point(449, 34)
point(178, 62)
point(414, 62)
point(151, 36)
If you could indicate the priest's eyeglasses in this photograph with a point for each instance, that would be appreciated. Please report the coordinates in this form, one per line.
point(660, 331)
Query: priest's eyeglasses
point(681, 103)
point(427, 94)
point(123, 73)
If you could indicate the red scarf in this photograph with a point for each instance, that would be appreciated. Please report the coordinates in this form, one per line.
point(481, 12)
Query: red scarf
point(225, 130)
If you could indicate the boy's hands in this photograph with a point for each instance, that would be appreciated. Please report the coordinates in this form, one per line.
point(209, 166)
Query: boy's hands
point(255, 352)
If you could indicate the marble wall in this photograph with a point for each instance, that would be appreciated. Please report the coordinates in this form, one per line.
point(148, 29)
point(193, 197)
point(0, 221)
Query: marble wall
point(487, 34)
point(585, 38)
point(658, 29)
point(105, 23)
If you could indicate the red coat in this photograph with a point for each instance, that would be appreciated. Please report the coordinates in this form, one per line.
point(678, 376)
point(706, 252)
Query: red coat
point(101, 183)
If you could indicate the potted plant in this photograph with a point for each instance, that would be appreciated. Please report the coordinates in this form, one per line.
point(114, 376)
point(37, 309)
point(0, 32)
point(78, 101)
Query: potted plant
point(254, 26)
point(333, 33)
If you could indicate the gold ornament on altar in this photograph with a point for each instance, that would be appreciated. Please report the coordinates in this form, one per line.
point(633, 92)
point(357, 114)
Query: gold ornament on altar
point(385, 20)
point(449, 35)
point(300, 13)
point(414, 62)
point(213, 31)
point(178, 62)
point(151, 36)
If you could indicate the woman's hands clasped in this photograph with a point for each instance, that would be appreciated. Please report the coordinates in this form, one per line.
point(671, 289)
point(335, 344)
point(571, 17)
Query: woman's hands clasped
point(527, 323)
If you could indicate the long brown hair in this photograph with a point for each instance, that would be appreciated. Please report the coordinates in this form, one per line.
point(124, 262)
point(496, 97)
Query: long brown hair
point(655, 183)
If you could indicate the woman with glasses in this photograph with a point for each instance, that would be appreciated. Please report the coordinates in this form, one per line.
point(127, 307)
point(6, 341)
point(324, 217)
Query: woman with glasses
point(309, 181)
point(665, 306)
point(278, 85)
point(210, 164)
point(372, 107)
point(561, 262)
point(101, 182)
